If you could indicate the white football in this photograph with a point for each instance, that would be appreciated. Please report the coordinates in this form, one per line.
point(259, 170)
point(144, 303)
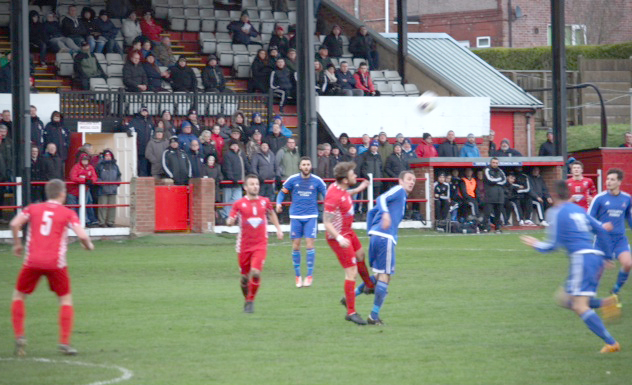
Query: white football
point(427, 102)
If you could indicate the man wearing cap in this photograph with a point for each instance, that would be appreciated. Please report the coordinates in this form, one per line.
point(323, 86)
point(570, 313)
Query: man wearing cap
point(164, 52)
point(280, 41)
point(192, 120)
point(469, 149)
point(548, 148)
point(87, 66)
point(373, 164)
point(213, 76)
point(449, 148)
point(182, 77)
point(407, 151)
point(134, 75)
point(142, 125)
point(108, 32)
point(426, 149)
point(176, 163)
point(235, 135)
point(242, 30)
point(505, 150)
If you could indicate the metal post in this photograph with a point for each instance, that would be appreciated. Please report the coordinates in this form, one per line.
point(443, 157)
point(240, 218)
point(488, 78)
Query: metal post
point(18, 193)
point(306, 94)
point(370, 192)
point(402, 37)
point(20, 93)
point(82, 203)
point(509, 21)
point(387, 5)
point(427, 188)
point(599, 181)
point(559, 77)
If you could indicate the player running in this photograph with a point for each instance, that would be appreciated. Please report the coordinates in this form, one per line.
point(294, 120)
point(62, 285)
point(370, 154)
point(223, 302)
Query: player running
point(570, 228)
point(614, 206)
point(252, 241)
point(382, 223)
point(305, 188)
point(582, 189)
point(46, 245)
point(337, 218)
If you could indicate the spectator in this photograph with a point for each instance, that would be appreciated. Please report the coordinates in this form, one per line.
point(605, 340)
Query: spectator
point(494, 179)
point(426, 149)
point(186, 137)
point(525, 196)
point(449, 147)
point(467, 189)
point(257, 123)
point(37, 130)
point(242, 30)
point(364, 146)
point(512, 200)
point(235, 135)
point(505, 150)
point(399, 138)
point(224, 126)
point(87, 67)
point(253, 146)
point(165, 118)
point(72, 27)
point(55, 38)
point(273, 55)
point(281, 82)
point(6, 153)
point(395, 163)
point(131, 29)
point(6, 79)
point(146, 49)
point(363, 46)
point(542, 199)
point(235, 168)
point(372, 164)
point(288, 159)
point(148, 26)
point(193, 121)
point(51, 163)
point(108, 32)
point(291, 62)
point(276, 140)
point(212, 169)
point(492, 144)
point(134, 76)
point(176, 164)
point(213, 76)
point(154, 150)
point(141, 124)
point(626, 143)
point(364, 82)
point(280, 41)
point(88, 18)
point(279, 5)
point(347, 81)
point(385, 148)
point(322, 56)
point(6, 120)
point(108, 171)
point(137, 45)
point(261, 70)
point(335, 157)
point(55, 132)
point(154, 75)
point(164, 52)
point(469, 149)
point(207, 147)
point(37, 175)
point(284, 130)
point(219, 142)
point(333, 85)
point(196, 158)
point(344, 142)
point(407, 151)
point(265, 167)
point(182, 77)
point(239, 121)
point(319, 78)
point(333, 42)
point(480, 188)
point(119, 9)
point(37, 35)
point(442, 198)
point(323, 167)
point(82, 173)
point(548, 147)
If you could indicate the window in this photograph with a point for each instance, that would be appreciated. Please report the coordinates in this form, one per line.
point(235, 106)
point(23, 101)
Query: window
point(464, 43)
point(483, 42)
point(574, 34)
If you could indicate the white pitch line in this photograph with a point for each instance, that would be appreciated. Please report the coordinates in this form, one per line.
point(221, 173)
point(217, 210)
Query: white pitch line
point(126, 374)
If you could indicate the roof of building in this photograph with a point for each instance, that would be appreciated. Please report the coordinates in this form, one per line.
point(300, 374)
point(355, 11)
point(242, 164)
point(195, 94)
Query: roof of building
point(466, 73)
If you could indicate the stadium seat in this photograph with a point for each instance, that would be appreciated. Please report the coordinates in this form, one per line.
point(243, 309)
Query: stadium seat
point(267, 27)
point(292, 5)
point(291, 16)
point(98, 83)
point(101, 59)
point(117, 23)
point(248, 4)
point(161, 8)
point(222, 14)
point(177, 19)
point(225, 54)
point(346, 53)
point(115, 71)
point(280, 16)
point(384, 89)
point(223, 37)
point(266, 15)
point(398, 89)
point(357, 61)
point(335, 62)
point(236, 15)
point(222, 25)
point(208, 20)
point(176, 4)
point(114, 58)
point(208, 4)
point(411, 89)
point(191, 4)
point(192, 16)
point(241, 66)
point(264, 5)
point(115, 83)
point(208, 42)
point(253, 49)
point(64, 63)
point(392, 76)
point(377, 76)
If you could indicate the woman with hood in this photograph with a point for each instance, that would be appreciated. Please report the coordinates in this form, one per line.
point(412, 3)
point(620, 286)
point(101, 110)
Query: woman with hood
point(217, 138)
point(56, 132)
point(284, 130)
point(333, 42)
point(166, 119)
point(212, 169)
point(206, 144)
point(261, 69)
point(108, 171)
point(154, 150)
point(37, 35)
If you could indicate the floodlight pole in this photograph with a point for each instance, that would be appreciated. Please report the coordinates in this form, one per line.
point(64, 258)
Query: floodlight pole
point(559, 77)
point(402, 37)
point(306, 93)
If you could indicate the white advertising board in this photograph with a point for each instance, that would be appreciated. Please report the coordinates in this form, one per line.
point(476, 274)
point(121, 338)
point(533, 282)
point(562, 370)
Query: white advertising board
point(45, 104)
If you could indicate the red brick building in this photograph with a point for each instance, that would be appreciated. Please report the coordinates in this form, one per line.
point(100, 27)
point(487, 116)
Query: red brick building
point(484, 23)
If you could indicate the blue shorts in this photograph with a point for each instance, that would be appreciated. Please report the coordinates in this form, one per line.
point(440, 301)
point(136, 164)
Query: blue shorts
point(382, 255)
point(620, 244)
point(584, 273)
point(303, 228)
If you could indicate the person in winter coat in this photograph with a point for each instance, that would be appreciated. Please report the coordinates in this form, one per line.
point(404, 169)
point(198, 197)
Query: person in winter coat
point(74, 29)
point(154, 75)
point(55, 39)
point(134, 76)
point(176, 163)
point(207, 146)
point(407, 151)
point(280, 41)
point(82, 173)
point(131, 28)
point(347, 81)
point(88, 20)
point(142, 125)
point(242, 30)
point(196, 158)
point(363, 46)
point(167, 124)
point(154, 150)
point(257, 123)
point(385, 149)
point(265, 167)
point(426, 149)
point(281, 82)
point(225, 128)
point(260, 70)
point(149, 27)
point(288, 159)
point(395, 163)
point(218, 141)
point(213, 76)
point(108, 32)
point(108, 171)
point(212, 169)
point(542, 199)
point(235, 134)
point(276, 140)
point(333, 42)
point(119, 9)
point(186, 137)
point(87, 66)
point(254, 145)
point(547, 148)
point(278, 119)
point(56, 132)
point(505, 150)
point(372, 164)
point(182, 77)
point(345, 143)
point(291, 62)
point(37, 175)
point(364, 82)
point(469, 149)
point(494, 179)
point(37, 35)
point(235, 169)
point(449, 147)
point(164, 52)
point(37, 130)
point(51, 164)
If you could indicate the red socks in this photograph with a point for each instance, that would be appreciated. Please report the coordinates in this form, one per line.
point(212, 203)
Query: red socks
point(18, 313)
point(364, 273)
point(66, 315)
point(253, 286)
point(350, 296)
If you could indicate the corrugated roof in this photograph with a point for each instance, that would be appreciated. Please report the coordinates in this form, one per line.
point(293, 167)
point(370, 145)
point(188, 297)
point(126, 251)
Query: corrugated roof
point(466, 72)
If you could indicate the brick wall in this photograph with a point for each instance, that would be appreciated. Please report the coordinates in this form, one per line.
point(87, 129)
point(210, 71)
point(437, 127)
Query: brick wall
point(419, 192)
point(143, 206)
point(202, 205)
point(551, 174)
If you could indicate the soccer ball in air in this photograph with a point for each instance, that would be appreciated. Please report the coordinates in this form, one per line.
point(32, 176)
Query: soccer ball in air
point(427, 102)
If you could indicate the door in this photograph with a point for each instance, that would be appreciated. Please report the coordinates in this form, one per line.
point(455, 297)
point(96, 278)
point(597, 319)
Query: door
point(503, 125)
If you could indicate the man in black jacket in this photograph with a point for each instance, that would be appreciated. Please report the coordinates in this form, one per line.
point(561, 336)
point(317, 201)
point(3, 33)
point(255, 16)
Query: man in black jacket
point(347, 81)
point(176, 163)
point(196, 158)
point(134, 75)
point(37, 130)
point(505, 150)
point(142, 125)
point(395, 164)
point(72, 27)
point(494, 179)
point(372, 164)
point(182, 77)
point(547, 148)
point(235, 169)
point(51, 164)
point(525, 196)
point(449, 147)
point(242, 30)
point(542, 200)
point(363, 46)
point(281, 82)
point(213, 76)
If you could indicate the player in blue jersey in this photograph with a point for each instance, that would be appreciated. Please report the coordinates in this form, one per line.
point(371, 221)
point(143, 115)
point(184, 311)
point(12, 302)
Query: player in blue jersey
point(570, 227)
point(382, 224)
point(305, 188)
point(614, 206)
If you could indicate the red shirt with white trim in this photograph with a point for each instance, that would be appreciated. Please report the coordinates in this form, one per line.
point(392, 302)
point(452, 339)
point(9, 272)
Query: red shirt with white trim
point(47, 234)
point(339, 203)
point(580, 190)
point(253, 223)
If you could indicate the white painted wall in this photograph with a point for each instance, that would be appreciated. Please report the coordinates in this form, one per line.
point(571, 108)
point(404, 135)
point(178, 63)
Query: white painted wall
point(45, 103)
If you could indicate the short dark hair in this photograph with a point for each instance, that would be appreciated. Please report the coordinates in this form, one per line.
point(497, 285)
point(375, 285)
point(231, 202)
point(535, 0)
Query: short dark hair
point(403, 174)
point(307, 158)
point(493, 158)
point(341, 171)
point(560, 189)
point(577, 162)
point(250, 176)
point(54, 188)
point(426, 135)
point(617, 171)
point(363, 64)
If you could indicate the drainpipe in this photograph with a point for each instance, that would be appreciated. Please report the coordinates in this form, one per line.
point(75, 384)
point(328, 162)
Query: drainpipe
point(529, 134)
point(356, 9)
point(386, 12)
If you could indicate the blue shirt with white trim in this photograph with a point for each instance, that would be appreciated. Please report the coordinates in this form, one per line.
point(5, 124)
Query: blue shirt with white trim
point(606, 207)
point(393, 202)
point(304, 195)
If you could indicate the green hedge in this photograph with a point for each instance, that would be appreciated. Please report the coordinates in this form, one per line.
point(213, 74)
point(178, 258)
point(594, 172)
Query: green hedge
point(539, 58)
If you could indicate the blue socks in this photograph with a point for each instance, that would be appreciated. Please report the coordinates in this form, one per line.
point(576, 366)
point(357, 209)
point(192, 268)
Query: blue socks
point(594, 323)
point(360, 289)
point(621, 278)
point(381, 290)
point(296, 259)
point(311, 256)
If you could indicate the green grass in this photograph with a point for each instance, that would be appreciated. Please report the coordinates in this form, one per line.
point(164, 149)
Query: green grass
point(461, 310)
point(589, 136)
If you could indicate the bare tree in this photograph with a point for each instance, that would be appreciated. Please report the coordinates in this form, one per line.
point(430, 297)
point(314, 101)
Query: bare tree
point(601, 17)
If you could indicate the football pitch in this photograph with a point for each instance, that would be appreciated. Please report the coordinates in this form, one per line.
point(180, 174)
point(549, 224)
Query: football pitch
point(167, 309)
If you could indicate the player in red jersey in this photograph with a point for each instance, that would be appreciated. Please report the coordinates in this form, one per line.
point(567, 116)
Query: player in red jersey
point(337, 218)
point(252, 241)
point(46, 245)
point(582, 189)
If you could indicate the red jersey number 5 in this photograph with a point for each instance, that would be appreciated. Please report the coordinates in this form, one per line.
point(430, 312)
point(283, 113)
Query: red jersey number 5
point(47, 223)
